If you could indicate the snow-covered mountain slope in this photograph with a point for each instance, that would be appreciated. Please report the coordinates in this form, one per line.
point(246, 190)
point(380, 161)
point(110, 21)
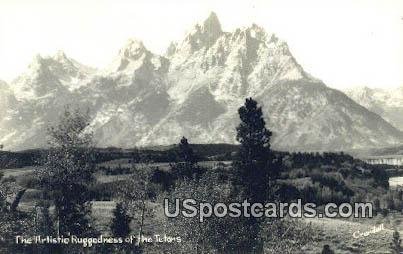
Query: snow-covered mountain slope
point(232, 65)
point(194, 90)
point(388, 103)
point(40, 93)
point(208, 81)
point(47, 75)
point(129, 97)
point(309, 114)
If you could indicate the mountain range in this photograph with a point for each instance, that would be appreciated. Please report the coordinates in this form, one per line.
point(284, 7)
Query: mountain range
point(194, 90)
point(387, 103)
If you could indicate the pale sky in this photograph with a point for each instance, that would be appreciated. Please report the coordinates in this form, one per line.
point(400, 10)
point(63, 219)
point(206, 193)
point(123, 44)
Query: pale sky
point(345, 43)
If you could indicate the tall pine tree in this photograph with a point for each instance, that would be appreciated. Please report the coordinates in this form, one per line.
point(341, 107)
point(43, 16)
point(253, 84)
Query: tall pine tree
point(254, 168)
point(253, 172)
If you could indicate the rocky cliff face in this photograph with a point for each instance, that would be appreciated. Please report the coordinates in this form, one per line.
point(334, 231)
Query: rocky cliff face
point(194, 90)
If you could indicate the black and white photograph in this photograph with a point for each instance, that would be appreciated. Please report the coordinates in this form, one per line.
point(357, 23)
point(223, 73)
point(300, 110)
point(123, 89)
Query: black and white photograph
point(203, 126)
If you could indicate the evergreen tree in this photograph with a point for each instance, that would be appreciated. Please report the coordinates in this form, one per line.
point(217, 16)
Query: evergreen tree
point(186, 153)
point(187, 166)
point(120, 226)
point(254, 169)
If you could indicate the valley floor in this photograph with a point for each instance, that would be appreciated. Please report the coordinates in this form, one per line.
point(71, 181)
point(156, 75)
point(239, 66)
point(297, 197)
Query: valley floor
point(337, 233)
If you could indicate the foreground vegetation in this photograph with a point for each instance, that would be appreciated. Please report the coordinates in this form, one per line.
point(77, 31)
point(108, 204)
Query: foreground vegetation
point(75, 189)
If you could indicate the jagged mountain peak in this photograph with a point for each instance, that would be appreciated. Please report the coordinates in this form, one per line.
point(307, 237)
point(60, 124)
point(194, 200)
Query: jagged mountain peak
point(252, 31)
point(171, 49)
point(367, 93)
point(59, 62)
point(36, 63)
point(60, 56)
point(146, 99)
point(254, 36)
point(44, 61)
point(386, 102)
point(133, 49)
point(212, 24)
point(48, 74)
point(206, 34)
point(39, 67)
point(203, 35)
point(131, 56)
point(246, 61)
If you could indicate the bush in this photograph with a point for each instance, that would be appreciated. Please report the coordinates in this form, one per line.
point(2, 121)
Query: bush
point(164, 178)
point(288, 192)
point(334, 182)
